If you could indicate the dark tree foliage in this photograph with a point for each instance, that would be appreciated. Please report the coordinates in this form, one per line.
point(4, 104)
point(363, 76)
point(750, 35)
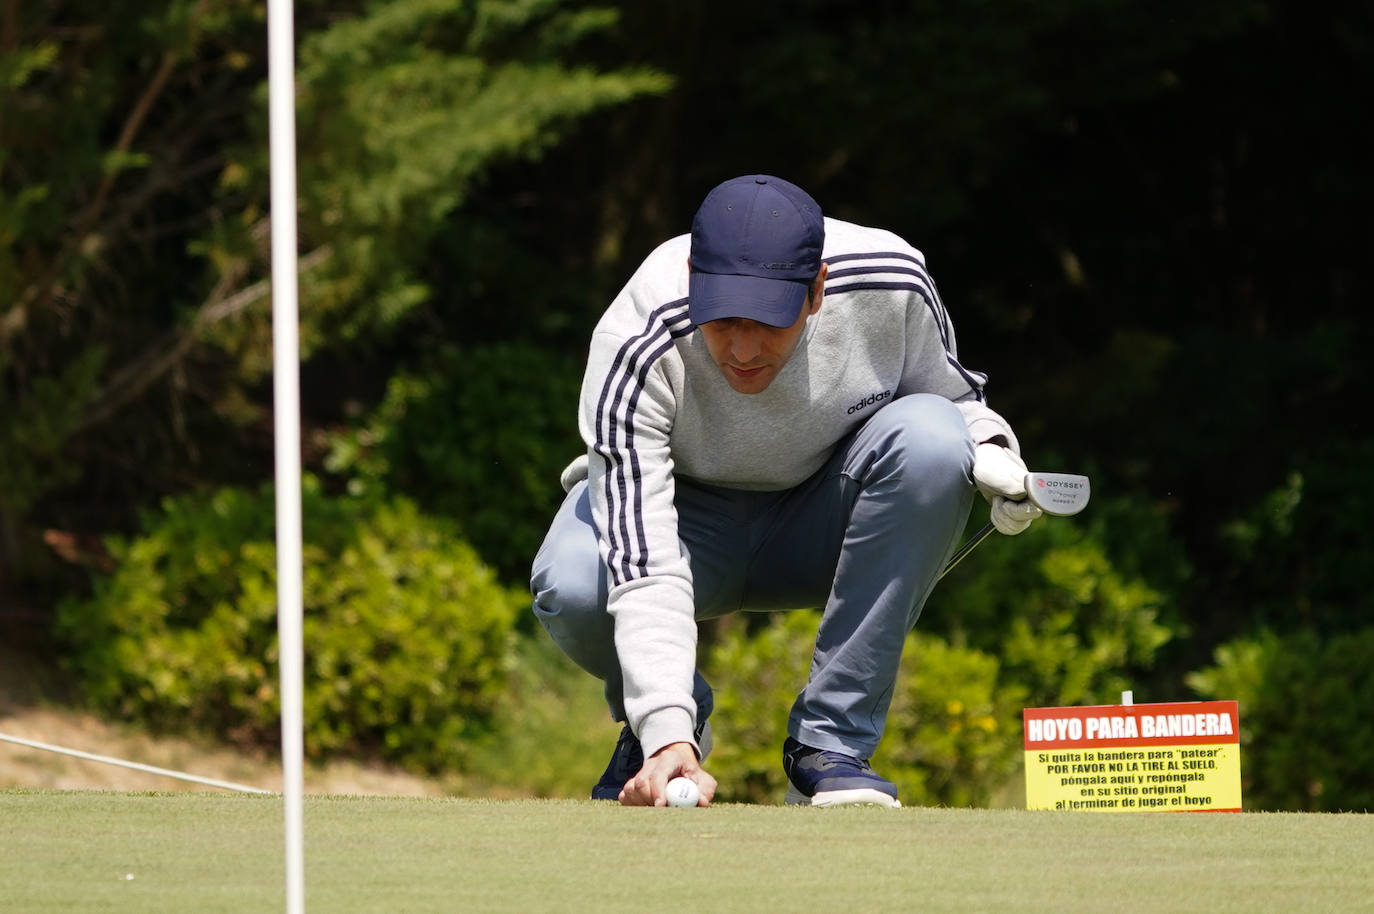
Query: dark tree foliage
point(135, 323)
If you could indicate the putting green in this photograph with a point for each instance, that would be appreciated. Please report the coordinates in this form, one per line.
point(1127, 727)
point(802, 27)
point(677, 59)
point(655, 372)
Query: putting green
point(91, 851)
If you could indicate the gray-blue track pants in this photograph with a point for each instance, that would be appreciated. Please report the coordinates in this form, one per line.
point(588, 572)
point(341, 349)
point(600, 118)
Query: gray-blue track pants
point(865, 537)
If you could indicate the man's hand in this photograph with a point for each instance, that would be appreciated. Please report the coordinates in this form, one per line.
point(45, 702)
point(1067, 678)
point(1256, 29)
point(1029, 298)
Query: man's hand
point(649, 787)
point(1001, 476)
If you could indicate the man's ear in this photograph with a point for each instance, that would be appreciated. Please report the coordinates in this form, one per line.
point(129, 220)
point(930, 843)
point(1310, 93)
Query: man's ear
point(817, 290)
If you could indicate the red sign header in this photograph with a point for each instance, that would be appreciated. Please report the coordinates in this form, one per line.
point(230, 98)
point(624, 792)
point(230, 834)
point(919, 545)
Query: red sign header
point(1181, 723)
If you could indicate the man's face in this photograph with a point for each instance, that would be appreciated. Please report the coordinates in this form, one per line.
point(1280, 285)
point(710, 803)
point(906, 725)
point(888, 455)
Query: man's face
point(750, 354)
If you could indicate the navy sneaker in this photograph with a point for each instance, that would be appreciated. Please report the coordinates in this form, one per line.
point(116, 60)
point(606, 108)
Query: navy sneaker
point(628, 758)
point(817, 777)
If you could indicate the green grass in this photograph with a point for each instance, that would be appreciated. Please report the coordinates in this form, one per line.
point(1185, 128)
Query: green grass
point(75, 851)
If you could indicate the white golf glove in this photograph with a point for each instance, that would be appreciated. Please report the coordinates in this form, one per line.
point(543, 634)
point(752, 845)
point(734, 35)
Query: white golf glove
point(1001, 476)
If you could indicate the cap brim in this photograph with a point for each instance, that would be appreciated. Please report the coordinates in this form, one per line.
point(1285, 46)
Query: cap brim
point(715, 296)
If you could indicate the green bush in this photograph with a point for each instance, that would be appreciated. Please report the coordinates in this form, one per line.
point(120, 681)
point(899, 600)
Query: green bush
point(480, 436)
point(1067, 623)
point(756, 678)
point(953, 732)
point(554, 734)
point(407, 635)
point(1305, 729)
point(1287, 583)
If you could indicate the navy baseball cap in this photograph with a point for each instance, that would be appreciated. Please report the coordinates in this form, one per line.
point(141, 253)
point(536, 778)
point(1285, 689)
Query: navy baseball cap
point(756, 248)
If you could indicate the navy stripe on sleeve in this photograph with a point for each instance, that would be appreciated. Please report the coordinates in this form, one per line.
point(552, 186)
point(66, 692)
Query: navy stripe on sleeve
point(933, 304)
point(876, 255)
point(920, 282)
point(925, 285)
point(615, 413)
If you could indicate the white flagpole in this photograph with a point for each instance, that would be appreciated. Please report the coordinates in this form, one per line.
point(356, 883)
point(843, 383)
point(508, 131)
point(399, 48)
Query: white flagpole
point(286, 395)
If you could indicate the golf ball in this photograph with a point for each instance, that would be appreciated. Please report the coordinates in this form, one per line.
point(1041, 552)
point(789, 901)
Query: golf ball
point(683, 792)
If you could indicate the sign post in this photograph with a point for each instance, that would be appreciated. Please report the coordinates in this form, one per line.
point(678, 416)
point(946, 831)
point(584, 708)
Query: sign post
point(1170, 757)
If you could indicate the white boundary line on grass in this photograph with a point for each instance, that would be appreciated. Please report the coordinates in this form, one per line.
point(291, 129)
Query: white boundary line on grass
point(108, 760)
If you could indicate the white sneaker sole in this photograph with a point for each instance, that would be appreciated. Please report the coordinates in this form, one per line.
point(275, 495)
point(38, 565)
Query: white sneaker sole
point(858, 796)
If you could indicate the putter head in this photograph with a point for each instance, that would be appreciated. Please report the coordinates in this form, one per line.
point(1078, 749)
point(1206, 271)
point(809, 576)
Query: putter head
point(1060, 494)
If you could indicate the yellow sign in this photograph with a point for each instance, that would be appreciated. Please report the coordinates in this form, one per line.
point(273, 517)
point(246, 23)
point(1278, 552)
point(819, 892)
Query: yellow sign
point(1174, 757)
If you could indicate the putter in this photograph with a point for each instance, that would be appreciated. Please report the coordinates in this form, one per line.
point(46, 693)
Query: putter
point(1058, 494)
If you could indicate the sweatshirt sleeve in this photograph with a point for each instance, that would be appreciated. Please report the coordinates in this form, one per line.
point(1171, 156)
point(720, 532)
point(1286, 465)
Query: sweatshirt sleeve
point(932, 364)
point(628, 406)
